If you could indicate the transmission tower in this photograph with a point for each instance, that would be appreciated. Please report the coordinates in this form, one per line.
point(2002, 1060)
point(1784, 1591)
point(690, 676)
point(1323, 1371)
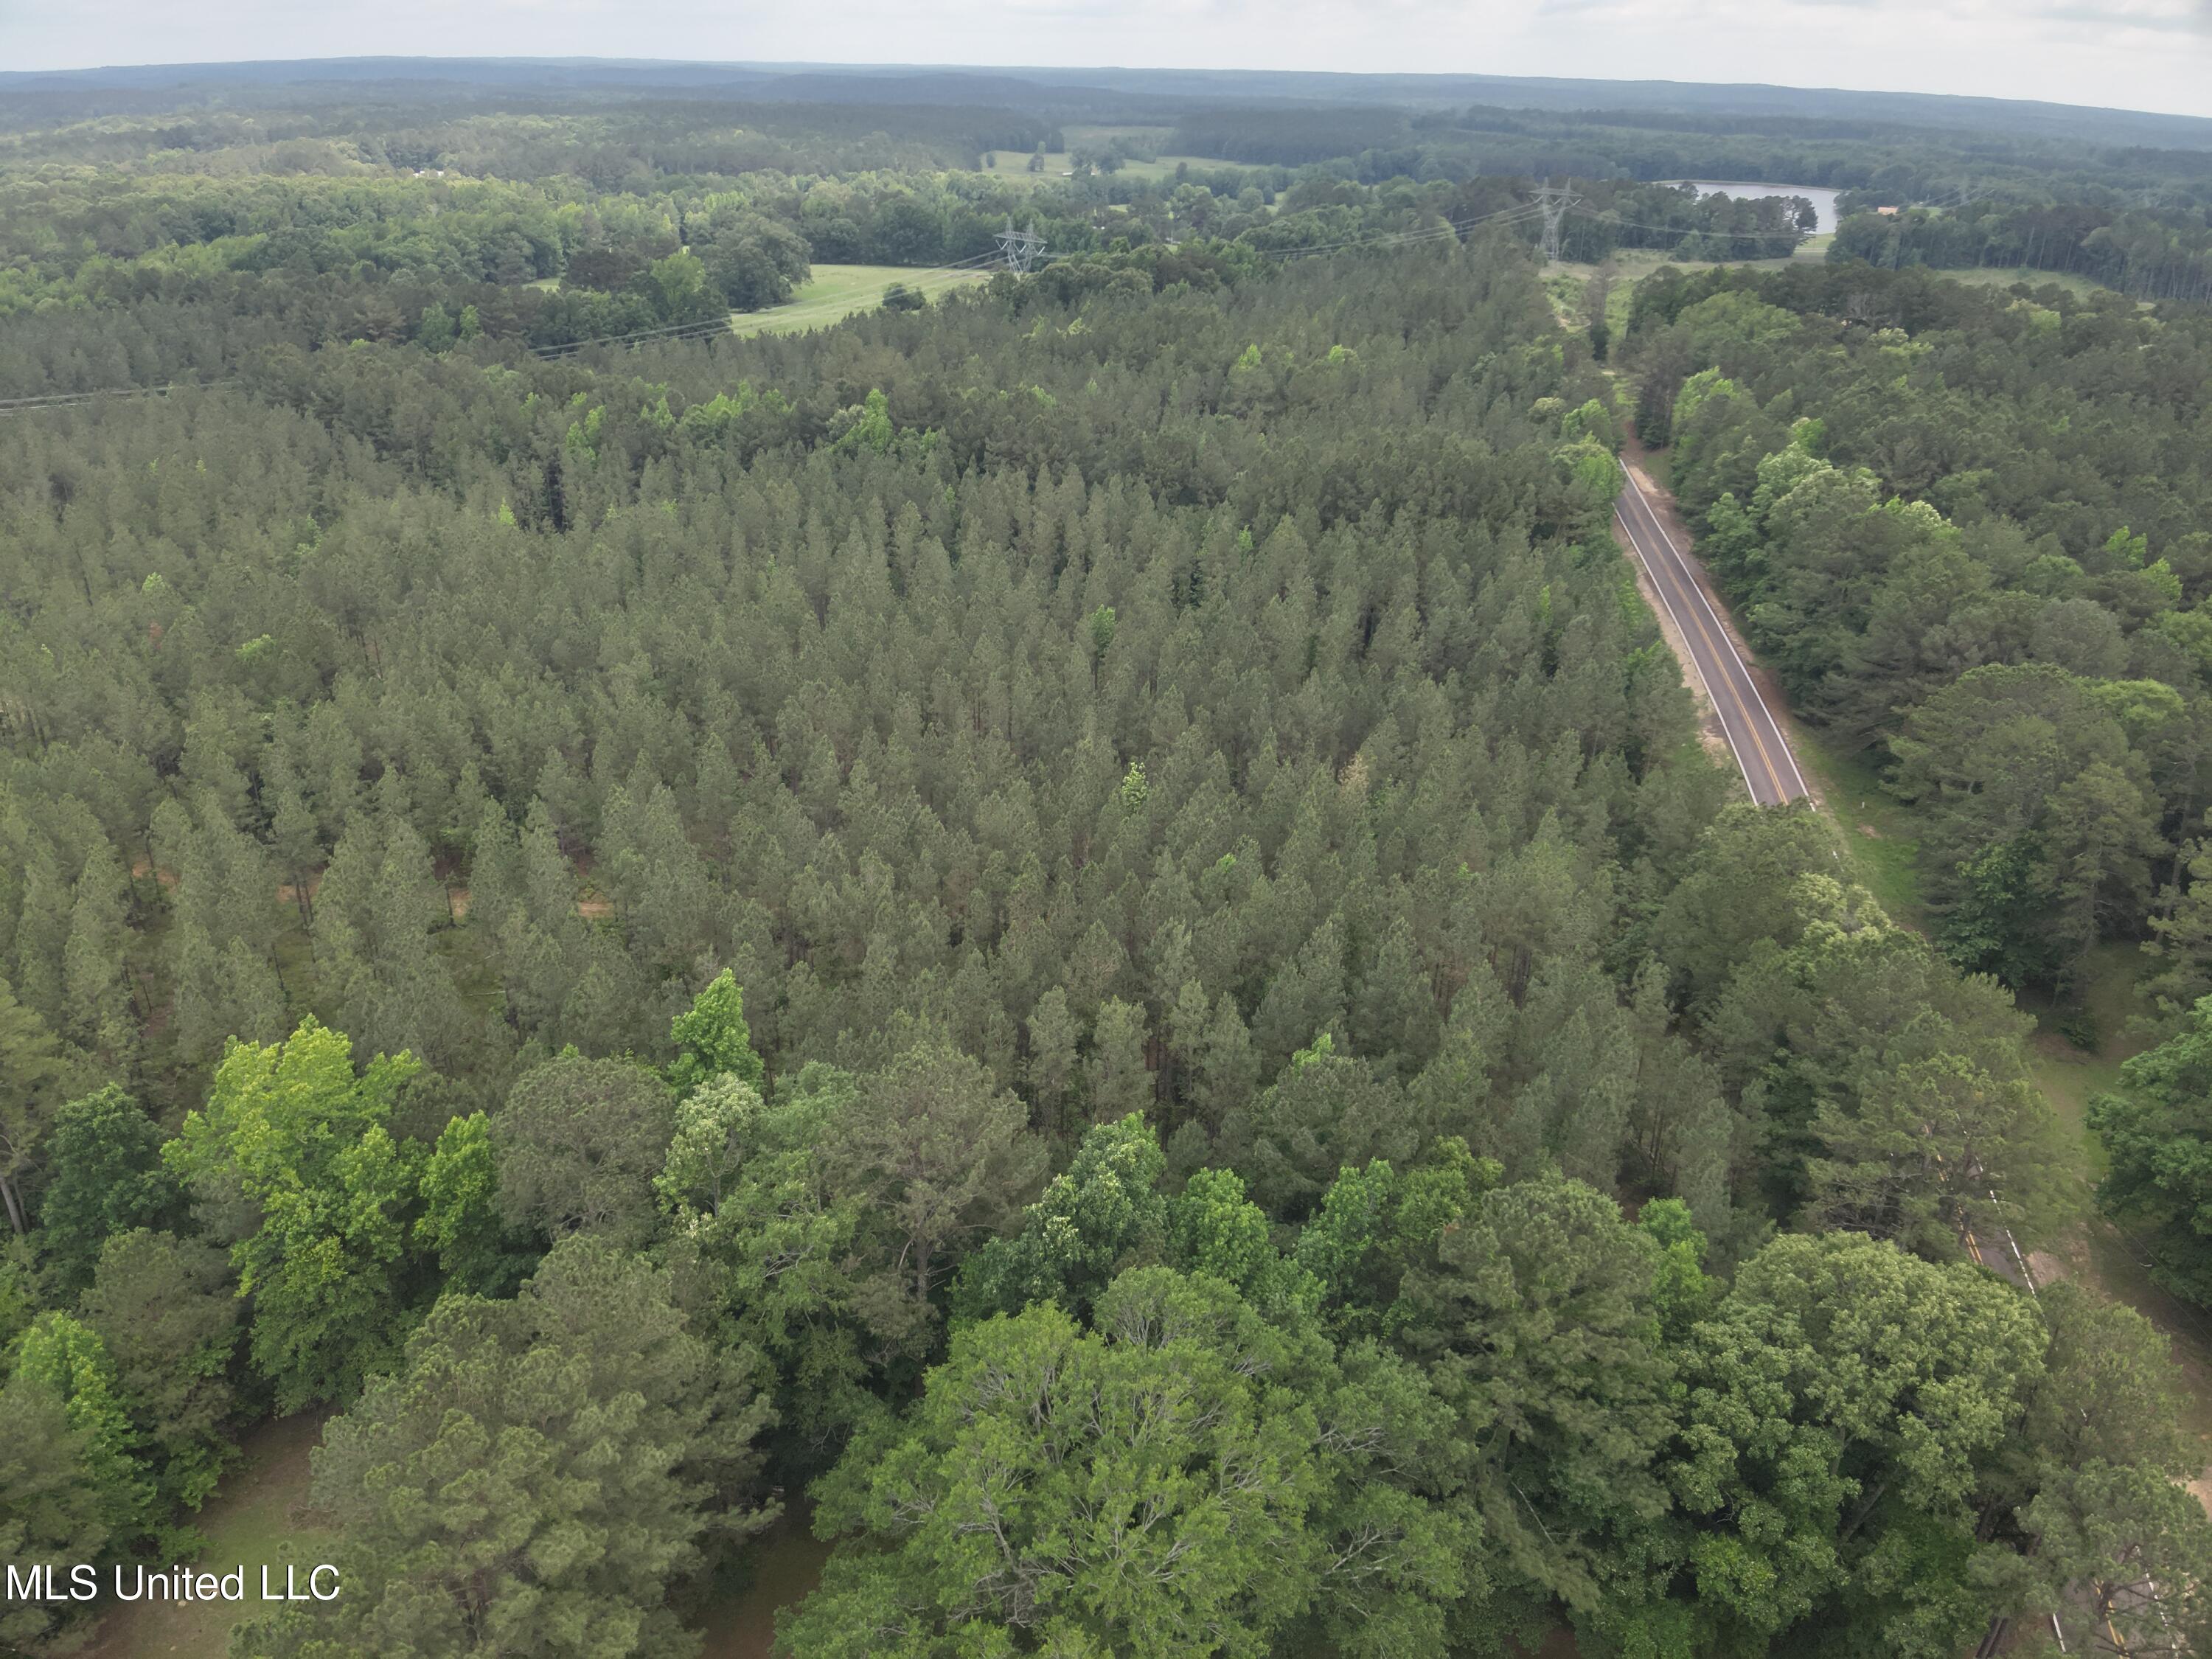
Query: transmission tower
point(1020, 248)
point(1554, 200)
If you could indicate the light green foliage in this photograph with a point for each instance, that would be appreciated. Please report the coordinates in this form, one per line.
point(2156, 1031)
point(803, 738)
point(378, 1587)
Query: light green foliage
point(1214, 1230)
point(1060, 1440)
point(712, 1036)
point(865, 426)
point(1592, 474)
point(716, 1124)
point(714, 420)
point(1839, 1380)
point(292, 1162)
point(460, 1219)
point(63, 1359)
point(1104, 1213)
point(1682, 1291)
point(16, 1307)
point(1374, 1224)
point(1171, 1481)
point(778, 1248)
point(682, 287)
point(1595, 421)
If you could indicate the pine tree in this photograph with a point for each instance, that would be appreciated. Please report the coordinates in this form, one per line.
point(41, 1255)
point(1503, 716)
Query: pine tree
point(101, 1019)
point(32, 1073)
point(1115, 1082)
point(1052, 1060)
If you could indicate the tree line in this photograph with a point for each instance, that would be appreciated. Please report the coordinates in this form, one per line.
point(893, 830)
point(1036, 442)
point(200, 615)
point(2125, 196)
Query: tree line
point(2153, 254)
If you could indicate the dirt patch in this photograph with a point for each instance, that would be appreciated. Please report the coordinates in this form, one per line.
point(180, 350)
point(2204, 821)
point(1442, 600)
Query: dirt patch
point(2050, 1046)
point(287, 893)
point(1869, 832)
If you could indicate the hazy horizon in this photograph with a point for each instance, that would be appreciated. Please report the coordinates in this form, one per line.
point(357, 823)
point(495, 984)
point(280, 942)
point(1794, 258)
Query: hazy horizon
point(2153, 56)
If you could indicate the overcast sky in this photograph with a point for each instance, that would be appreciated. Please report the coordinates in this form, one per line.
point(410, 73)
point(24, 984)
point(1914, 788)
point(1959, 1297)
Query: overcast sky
point(2134, 54)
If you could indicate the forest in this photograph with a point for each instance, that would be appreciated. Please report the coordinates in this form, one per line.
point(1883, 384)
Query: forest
point(1080, 929)
point(1870, 455)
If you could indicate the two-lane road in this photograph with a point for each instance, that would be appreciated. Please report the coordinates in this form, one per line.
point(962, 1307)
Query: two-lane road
point(1753, 734)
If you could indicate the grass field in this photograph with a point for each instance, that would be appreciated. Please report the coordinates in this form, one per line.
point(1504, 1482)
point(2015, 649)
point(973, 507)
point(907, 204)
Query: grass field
point(837, 292)
point(257, 1518)
point(1879, 837)
point(2070, 1076)
point(1565, 282)
point(2067, 280)
point(1013, 164)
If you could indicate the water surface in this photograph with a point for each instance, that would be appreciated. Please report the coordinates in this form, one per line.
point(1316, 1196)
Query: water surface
point(1822, 197)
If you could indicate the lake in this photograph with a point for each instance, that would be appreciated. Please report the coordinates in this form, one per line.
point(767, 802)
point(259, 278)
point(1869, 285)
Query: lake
point(1822, 197)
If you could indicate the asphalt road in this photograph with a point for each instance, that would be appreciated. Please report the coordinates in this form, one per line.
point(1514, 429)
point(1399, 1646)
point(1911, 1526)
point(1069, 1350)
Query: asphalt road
point(1770, 770)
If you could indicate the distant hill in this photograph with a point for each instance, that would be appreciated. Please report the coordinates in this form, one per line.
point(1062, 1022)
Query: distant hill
point(1129, 93)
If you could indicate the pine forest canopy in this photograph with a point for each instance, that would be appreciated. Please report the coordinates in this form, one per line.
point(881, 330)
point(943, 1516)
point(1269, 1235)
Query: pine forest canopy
point(1083, 919)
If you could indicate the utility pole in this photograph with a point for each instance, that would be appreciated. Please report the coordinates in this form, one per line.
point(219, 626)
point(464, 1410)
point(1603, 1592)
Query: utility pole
point(1020, 248)
point(1554, 200)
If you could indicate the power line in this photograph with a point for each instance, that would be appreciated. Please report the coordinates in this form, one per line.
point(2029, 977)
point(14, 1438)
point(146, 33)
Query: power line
point(1020, 248)
point(1605, 216)
point(1520, 213)
point(1554, 200)
point(76, 399)
point(1449, 227)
